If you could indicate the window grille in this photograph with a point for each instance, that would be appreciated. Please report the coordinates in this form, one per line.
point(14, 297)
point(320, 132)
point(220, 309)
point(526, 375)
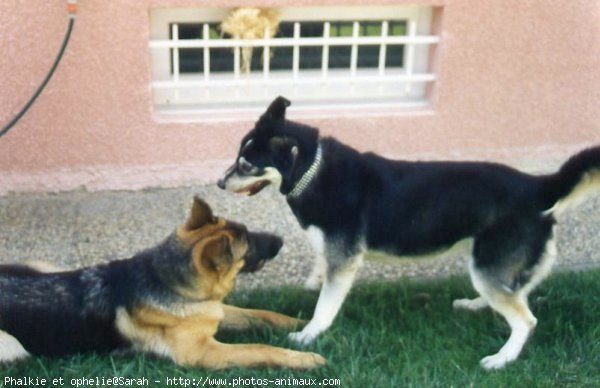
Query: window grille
point(319, 56)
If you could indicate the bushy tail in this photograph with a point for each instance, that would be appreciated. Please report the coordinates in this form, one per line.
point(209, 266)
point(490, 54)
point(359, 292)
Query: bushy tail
point(576, 178)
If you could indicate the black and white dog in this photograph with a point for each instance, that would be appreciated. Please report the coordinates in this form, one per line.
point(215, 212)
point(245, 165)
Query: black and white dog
point(349, 202)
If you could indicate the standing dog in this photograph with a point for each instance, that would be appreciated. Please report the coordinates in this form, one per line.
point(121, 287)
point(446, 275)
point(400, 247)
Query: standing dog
point(166, 300)
point(349, 202)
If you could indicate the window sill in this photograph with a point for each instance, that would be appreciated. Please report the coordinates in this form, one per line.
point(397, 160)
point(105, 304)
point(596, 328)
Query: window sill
point(195, 114)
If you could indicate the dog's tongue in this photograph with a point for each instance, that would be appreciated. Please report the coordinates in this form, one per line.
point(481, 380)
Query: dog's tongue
point(253, 188)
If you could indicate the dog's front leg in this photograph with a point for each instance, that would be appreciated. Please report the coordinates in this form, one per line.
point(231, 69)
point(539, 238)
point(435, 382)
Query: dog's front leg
point(317, 274)
point(335, 288)
point(217, 355)
point(319, 271)
point(239, 318)
point(190, 342)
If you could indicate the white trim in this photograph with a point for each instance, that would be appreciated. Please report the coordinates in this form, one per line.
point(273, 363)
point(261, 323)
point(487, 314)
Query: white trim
point(205, 36)
point(307, 80)
point(325, 110)
point(295, 42)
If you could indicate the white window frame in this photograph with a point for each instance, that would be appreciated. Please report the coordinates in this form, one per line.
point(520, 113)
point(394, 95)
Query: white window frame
point(195, 93)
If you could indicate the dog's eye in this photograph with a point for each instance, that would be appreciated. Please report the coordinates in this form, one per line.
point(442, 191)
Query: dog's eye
point(245, 167)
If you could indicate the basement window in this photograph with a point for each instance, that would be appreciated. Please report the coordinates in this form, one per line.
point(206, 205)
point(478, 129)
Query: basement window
point(315, 56)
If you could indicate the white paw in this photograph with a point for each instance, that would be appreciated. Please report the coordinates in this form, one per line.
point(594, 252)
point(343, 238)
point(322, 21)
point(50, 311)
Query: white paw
point(313, 283)
point(304, 337)
point(463, 304)
point(10, 348)
point(469, 304)
point(496, 361)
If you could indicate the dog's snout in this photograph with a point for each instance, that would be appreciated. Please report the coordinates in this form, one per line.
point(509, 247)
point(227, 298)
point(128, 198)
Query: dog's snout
point(222, 183)
point(268, 245)
point(261, 247)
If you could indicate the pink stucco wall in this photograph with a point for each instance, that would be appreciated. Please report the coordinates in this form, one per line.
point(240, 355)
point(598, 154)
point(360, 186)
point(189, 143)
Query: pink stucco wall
point(518, 81)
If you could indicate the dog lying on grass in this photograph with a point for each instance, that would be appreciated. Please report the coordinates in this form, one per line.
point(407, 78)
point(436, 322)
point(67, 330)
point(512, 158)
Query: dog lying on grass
point(166, 300)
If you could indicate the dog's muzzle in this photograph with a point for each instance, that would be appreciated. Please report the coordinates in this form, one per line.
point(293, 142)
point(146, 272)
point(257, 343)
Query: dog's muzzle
point(222, 183)
point(247, 184)
point(261, 248)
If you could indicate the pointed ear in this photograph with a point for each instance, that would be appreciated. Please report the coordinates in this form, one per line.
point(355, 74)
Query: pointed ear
point(217, 255)
point(200, 215)
point(276, 111)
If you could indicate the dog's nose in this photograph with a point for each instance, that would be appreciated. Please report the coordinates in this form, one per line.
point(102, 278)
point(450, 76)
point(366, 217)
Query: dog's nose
point(221, 184)
point(261, 247)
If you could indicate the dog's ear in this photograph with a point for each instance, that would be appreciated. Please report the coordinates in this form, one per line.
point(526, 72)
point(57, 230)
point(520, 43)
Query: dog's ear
point(217, 255)
point(276, 111)
point(285, 156)
point(285, 151)
point(200, 215)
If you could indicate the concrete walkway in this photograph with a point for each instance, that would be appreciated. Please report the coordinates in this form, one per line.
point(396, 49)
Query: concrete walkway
point(80, 228)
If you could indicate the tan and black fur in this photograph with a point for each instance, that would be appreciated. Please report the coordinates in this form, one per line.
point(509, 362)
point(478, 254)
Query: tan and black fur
point(166, 300)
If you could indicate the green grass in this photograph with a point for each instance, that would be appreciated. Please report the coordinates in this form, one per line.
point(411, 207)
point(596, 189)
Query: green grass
point(400, 334)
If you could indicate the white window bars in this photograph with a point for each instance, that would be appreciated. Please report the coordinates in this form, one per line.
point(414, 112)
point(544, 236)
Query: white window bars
point(363, 71)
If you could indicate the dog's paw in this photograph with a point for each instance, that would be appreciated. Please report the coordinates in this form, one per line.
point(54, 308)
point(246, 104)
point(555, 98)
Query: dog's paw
point(303, 337)
point(318, 360)
point(310, 360)
point(313, 283)
point(496, 361)
point(469, 304)
point(462, 304)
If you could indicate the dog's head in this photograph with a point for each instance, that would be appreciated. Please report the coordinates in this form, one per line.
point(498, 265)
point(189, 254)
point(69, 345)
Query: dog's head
point(276, 151)
point(219, 249)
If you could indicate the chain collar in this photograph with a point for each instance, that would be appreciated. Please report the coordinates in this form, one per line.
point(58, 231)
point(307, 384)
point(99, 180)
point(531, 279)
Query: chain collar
point(308, 176)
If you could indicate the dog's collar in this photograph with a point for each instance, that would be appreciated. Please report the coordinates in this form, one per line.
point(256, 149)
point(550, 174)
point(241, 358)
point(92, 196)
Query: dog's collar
point(308, 176)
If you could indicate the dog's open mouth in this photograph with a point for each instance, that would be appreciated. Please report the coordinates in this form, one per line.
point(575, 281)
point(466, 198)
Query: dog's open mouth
point(254, 187)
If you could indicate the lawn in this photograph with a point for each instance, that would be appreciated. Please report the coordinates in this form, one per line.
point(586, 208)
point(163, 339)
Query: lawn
point(399, 334)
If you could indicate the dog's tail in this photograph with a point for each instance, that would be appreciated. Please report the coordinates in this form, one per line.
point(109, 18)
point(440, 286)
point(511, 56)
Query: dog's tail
point(573, 182)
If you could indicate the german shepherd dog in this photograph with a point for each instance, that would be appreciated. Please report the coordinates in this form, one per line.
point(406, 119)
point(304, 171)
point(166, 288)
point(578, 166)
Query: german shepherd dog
point(349, 202)
point(166, 301)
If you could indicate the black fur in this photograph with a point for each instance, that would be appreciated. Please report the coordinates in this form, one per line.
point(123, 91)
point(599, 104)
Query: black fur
point(50, 315)
point(67, 312)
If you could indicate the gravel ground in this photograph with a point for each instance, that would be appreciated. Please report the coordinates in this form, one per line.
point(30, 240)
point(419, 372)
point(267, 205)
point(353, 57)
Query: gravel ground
point(79, 228)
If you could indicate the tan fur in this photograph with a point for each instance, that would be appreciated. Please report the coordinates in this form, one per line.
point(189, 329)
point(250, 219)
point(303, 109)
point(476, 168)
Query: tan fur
point(44, 266)
point(188, 340)
point(209, 284)
point(220, 355)
point(586, 186)
point(511, 305)
point(250, 23)
point(143, 337)
point(192, 236)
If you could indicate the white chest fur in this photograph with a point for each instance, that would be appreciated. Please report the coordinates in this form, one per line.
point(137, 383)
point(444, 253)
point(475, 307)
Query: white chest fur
point(316, 237)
